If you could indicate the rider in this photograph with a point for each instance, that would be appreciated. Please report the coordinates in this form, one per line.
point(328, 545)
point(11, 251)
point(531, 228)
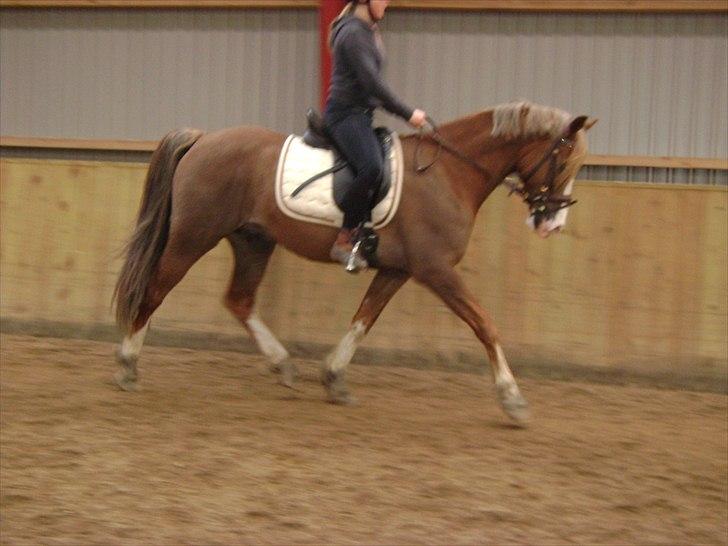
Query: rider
point(357, 88)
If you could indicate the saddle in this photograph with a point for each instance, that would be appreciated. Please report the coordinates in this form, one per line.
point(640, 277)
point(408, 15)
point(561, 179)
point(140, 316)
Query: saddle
point(316, 136)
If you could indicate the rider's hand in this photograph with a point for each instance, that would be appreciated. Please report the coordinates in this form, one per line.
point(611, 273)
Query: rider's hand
point(418, 119)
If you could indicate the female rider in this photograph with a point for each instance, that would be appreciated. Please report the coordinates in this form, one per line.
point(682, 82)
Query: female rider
point(357, 88)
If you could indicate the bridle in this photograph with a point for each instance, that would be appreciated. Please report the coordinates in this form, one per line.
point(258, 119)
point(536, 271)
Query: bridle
point(545, 203)
point(542, 204)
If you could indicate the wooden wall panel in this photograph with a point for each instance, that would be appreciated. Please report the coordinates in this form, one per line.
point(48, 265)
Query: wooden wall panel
point(637, 281)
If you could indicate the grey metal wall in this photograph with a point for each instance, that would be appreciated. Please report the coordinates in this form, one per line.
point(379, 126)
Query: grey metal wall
point(135, 74)
point(658, 83)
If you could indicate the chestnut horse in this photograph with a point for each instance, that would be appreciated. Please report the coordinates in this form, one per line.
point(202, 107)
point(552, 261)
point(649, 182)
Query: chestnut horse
point(201, 188)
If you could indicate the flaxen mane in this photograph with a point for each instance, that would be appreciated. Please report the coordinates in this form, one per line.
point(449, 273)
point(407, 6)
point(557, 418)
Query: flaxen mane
point(524, 119)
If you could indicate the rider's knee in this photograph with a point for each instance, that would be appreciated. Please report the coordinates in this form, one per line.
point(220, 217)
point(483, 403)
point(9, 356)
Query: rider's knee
point(372, 172)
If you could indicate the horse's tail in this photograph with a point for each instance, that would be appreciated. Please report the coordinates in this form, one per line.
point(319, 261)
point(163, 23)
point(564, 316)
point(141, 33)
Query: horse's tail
point(152, 226)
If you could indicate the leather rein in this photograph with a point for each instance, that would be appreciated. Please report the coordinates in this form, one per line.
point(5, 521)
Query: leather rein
point(542, 204)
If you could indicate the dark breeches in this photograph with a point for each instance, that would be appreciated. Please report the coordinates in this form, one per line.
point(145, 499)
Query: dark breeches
point(355, 138)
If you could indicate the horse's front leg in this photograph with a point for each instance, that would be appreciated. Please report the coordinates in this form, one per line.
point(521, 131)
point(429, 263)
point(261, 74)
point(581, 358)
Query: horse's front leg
point(384, 285)
point(447, 284)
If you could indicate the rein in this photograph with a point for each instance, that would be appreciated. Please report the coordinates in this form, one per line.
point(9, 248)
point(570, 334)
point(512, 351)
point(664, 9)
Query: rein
point(543, 204)
point(444, 144)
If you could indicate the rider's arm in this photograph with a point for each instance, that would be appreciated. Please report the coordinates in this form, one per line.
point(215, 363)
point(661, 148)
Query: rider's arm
point(361, 54)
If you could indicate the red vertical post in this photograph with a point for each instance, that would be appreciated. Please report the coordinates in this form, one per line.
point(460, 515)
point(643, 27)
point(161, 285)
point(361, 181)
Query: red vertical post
point(328, 10)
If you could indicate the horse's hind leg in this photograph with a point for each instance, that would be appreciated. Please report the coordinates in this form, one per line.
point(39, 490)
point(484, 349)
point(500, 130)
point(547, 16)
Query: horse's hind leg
point(384, 285)
point(127, 356)
point(447, 284)
point(252, 249)
point(178, 256)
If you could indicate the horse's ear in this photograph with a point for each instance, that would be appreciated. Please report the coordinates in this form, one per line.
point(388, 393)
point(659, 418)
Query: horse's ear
point(580, 122)
point(576, 125)
point(590, 123)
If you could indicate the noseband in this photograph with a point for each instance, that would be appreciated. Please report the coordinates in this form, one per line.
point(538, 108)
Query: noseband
point(542, 204)
point(545, 203)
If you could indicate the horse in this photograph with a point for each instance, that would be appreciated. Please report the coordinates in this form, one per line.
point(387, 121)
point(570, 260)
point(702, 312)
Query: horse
point(203, 187)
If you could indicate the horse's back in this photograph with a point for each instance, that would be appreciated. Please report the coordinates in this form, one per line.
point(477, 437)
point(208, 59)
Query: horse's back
point(241, 140)
point(224, 176)
point(230, 150)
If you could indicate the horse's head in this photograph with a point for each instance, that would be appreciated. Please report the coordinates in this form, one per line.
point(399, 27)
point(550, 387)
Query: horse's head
point(547, 168)
point(553, 151)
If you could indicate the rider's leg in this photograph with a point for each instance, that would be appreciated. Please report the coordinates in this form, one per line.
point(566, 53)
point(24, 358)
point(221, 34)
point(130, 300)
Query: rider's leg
point(356, 140)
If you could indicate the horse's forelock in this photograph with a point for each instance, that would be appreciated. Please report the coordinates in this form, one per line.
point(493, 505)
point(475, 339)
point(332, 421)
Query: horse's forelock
point(524, 119)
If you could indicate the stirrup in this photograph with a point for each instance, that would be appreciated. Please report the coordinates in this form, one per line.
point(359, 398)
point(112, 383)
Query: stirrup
point(355, 262)
point(352, 262)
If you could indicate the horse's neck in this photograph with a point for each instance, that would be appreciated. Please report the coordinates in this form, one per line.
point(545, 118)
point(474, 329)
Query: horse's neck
point(471, 136)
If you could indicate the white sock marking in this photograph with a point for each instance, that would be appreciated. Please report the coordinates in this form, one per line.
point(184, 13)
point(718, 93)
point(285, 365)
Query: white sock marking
point(340, 357)
point(267, 342)
point(132, 345)
point(503, 372)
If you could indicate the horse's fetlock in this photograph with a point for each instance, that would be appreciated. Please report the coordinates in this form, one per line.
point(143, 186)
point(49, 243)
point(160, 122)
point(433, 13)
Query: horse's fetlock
point(330, 378)
point(128, 362)
point(336, 390)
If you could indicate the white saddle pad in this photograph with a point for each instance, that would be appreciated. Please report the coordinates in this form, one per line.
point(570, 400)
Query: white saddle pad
point(298, 162)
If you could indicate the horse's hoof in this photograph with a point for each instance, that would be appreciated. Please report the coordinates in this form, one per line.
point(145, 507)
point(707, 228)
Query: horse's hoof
point(342, 399)
point(518, 411)
point(126, 378)
point(288, 374)
point(513, 403)
point(126, 382)
point(336, 391)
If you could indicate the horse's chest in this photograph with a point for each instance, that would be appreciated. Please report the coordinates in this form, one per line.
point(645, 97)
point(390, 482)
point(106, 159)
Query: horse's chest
point(441, 219)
